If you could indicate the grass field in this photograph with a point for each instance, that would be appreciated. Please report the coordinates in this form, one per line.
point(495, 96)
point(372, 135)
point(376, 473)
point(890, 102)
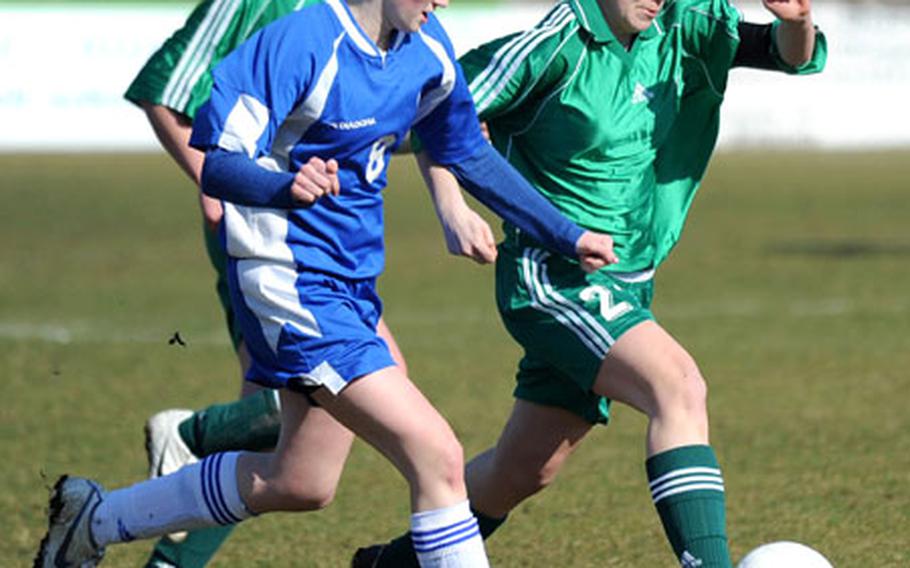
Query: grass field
point(790, 287)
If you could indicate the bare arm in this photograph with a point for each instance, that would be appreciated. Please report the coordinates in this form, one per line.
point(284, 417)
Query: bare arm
point(593, 250)
point(173, 130)
point(466, 233)
point(796, 32)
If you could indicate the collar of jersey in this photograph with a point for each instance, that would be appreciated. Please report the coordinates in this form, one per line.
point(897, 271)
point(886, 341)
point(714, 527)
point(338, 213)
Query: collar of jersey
point(356, 33)
point(591, 18)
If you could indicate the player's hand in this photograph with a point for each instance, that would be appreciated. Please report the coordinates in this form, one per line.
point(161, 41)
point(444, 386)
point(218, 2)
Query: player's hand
point(595, 250)
point(315, 179)
point(789, 10)
point(467, 234)
point(212, 211)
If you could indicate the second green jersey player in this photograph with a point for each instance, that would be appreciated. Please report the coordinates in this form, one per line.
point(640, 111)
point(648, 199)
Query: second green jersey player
point(611, 109)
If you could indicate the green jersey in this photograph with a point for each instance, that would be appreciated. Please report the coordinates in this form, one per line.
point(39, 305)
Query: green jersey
point(178, 75)
point(617, 139)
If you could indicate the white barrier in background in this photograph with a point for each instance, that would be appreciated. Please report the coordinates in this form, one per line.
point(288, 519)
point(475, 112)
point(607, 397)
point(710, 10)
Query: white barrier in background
point(63, 72)
point(861, 100)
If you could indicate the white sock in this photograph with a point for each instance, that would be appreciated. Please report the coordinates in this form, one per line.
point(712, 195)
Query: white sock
point(203, 494)
point(448, 538)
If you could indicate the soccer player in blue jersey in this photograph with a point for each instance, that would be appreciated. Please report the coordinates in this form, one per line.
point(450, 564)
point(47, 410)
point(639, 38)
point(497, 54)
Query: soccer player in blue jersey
point(171, 87)
point(297, 136)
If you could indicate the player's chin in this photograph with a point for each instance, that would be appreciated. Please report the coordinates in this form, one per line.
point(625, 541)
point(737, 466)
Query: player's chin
point(413, 25)
point(646, 18)
point(644, 22)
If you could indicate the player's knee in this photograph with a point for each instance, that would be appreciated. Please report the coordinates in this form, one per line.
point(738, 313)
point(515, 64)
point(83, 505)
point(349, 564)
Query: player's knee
point(530, 472)
point(451, 463)
point(683, 390)
point(318, 497)
point(308, 496)
point(442, 461)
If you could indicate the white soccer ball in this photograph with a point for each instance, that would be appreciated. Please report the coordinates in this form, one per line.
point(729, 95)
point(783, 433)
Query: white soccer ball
point(784, 554)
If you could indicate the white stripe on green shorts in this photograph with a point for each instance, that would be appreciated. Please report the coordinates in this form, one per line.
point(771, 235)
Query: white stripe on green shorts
point(685, 480)
point(546, 299)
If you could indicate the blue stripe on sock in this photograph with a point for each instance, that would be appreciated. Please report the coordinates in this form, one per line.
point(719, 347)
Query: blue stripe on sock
point(469, 533)
point(419, 535)
point(219, 495)
point(208, 471)
point(205, 493)
point(212, 480)
point(426, 541)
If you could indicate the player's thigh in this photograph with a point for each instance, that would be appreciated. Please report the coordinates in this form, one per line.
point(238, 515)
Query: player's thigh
point(567, 321)
point(313, 445)
point(538, 439)
point(388, 411)
point(644, 365)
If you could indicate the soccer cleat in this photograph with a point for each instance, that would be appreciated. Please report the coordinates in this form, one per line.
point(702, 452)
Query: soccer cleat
point(368, 556)
point(68, 542)
point(166, 450)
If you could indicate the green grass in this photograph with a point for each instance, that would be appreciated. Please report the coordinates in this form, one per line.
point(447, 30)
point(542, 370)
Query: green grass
point(789, 287)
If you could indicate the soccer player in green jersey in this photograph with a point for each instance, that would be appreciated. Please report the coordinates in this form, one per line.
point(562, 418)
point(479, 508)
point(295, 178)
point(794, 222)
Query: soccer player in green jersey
point(611, 109)
point(170, 88)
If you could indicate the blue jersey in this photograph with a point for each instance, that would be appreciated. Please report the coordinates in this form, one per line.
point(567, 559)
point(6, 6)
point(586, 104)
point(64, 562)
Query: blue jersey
point(314, 84)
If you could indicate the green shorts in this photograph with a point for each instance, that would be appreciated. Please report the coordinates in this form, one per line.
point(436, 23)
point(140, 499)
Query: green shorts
point(218, 258)
point(566, 320)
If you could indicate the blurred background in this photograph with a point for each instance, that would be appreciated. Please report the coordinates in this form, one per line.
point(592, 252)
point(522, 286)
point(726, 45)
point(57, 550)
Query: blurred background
point(66, 64)
point(789, 286)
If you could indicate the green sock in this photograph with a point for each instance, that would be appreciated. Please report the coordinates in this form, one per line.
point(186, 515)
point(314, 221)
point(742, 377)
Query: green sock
point(251, 423)
point(194, 552)
point(399, 553)
point(688, 491)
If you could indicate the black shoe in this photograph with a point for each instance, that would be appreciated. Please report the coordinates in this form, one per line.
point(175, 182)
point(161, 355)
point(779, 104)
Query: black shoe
point(368, 556)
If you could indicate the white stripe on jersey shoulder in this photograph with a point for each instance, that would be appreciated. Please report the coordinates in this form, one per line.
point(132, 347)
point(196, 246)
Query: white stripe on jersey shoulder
point(197, 57)
point(428, 103)
point(347, 22)
point(506, 61)
point(244, 125)
point(251, 23)
point(301, 118)
point(530, 89)
point(581, 11)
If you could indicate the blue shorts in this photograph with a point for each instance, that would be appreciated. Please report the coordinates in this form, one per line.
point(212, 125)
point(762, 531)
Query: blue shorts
point(306, 329)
